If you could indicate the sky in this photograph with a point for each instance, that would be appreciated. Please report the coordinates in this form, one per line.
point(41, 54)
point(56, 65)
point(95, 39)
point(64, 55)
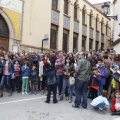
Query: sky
point(98, 1)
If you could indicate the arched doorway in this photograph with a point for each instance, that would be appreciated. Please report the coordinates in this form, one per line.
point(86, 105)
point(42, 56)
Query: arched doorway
point(4, 34)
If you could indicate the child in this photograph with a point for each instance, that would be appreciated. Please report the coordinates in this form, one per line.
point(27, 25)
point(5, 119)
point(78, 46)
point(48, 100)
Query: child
point(25, 76)
point(100, 103)
point(33, 79)
point(115, 105)
point(51, 80)
point(94, 85)
point(101, 73)
point(17, 76)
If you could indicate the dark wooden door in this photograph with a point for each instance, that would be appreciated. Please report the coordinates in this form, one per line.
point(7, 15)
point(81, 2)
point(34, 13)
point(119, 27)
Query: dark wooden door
point(53, 39)
point(4, 43)
point(4, 34)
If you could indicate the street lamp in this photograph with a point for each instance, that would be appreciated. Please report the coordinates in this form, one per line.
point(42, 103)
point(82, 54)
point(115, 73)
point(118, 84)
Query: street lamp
point(105, 8)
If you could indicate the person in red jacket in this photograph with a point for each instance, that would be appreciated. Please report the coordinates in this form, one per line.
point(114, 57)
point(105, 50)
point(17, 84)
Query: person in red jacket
point(115, 105)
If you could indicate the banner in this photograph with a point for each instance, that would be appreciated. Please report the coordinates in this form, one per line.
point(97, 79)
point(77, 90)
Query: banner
point(14, 5)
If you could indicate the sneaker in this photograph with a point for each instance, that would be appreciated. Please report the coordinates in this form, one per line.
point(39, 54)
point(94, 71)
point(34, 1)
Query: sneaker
point(30, 93)
point(26, 93)
point(35, 93)
point(23, 93)
point(101, 112)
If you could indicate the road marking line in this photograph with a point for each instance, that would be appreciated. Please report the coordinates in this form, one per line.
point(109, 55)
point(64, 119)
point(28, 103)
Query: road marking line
point(117, 118)
point(22, 100)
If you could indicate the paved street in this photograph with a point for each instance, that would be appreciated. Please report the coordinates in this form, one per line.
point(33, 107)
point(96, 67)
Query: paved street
point(26, 107)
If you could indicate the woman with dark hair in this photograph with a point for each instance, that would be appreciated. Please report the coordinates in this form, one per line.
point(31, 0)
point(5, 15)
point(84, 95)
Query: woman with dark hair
point(8, 71)
point(42, 78)
point(71, 58)
point(67, 71)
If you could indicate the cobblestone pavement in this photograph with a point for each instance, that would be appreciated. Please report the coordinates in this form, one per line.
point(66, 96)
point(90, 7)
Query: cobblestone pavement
point(32, 107)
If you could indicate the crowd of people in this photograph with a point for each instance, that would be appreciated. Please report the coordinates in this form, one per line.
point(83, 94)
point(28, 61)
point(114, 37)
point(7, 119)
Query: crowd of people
point(94, 75)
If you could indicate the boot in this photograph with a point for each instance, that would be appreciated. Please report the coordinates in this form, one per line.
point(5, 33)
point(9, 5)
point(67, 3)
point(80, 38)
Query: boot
point(1, 94)
point(10, 93)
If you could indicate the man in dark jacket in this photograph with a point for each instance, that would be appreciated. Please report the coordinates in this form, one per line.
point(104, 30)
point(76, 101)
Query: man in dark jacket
point(82, 74)
point(50, 76)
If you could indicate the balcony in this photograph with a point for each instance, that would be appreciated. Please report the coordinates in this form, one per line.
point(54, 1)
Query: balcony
point(55, 17)
point(66, 22)
point(102, 38)
point(97, 36)
point(76, 26)
point(91, 33)
point(84, 30)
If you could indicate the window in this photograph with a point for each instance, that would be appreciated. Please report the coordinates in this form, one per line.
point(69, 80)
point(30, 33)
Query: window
point(96, 23)
point(97, 45)
point(102, 27)
point(107, 29)
point(75, 11)
point(102, 46)
point(75, 43)
point(83, 17)
point(66, 4)
point(53, 38)
point(90, 44)
point(90, 20)
point(84, 43)
point(54, 4)
point(65, 40)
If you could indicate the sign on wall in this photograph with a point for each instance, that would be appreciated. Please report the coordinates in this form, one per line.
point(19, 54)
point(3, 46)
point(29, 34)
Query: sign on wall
point(14, 5)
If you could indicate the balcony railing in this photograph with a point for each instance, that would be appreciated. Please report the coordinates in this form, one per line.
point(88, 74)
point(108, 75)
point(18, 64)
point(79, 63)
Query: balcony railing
point(97, 36)
point(55, 17)
point(76, 26)
point(91, 33)
point(66, 22)
point(84, 30)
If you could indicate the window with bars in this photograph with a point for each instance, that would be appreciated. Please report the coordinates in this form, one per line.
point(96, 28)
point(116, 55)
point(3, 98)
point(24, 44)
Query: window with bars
point(75, 10)
point(53, 39)
point(54, 4)
point(66, 4)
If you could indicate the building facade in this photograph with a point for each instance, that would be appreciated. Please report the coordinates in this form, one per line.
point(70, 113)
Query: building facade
point(10, 25)
point(69, 25)
point(116, 26)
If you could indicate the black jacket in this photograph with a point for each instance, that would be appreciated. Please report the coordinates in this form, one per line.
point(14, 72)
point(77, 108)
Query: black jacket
point(50, 76)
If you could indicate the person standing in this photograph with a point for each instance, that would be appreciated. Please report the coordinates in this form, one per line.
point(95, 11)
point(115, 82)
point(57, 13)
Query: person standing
point(8, 71)
point(82, 74)
point(59, 66)
point(25, 75)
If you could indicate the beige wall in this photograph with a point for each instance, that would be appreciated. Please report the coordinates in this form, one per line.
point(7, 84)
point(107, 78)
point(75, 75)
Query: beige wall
point(37, 22)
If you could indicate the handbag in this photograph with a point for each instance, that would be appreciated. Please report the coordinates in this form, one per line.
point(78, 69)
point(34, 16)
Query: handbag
point(116, 76)
point(71, 81)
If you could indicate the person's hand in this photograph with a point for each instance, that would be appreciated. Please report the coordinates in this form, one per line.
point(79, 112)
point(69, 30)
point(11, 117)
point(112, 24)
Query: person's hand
point(68, 74)
point(65, 73)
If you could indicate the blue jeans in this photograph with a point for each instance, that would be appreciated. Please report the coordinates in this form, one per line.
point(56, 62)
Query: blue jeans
point(71, 91)
point(81, 91)
point(100, 89)
point(100, 106)
point(5, 78)
point(60, 83)
point(65, 88)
